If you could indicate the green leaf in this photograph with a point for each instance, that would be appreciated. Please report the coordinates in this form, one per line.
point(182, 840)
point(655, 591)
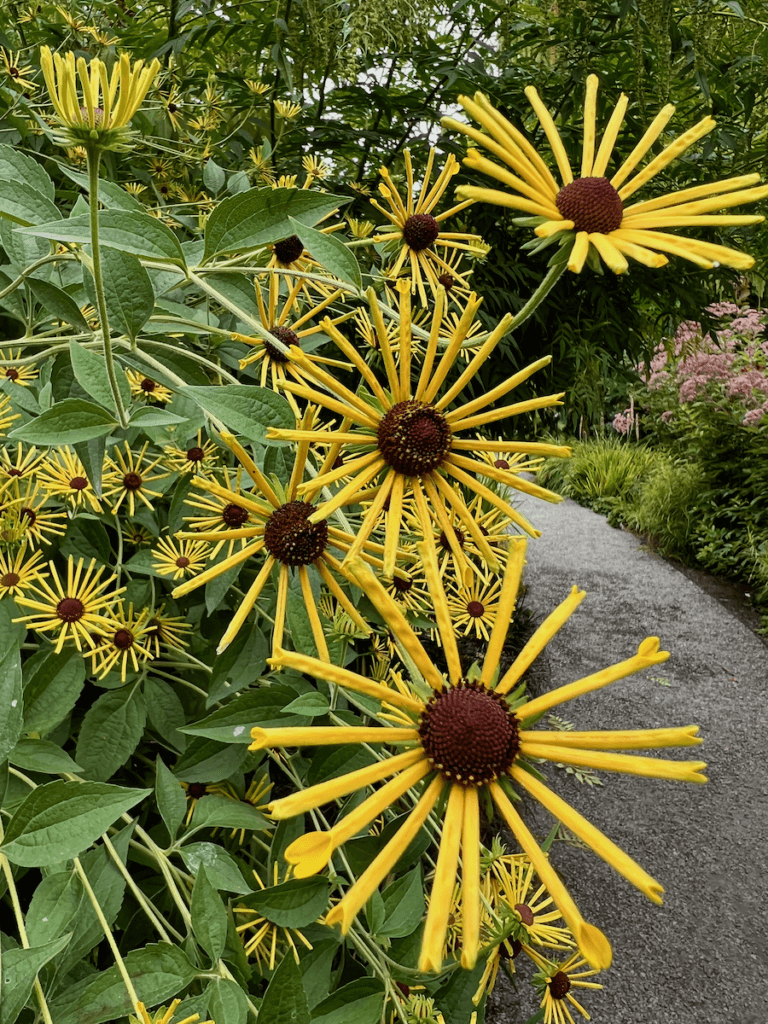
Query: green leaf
point(214, 177)
point(165, 711)
point(91, 454)
point(11, 702)
point(128, 291)
point(57, 303)
point(54, 903)
point(111, 731)
point(20, 967)
point(243, 662)
point(219, 812)
point(222, 869)
point(337, 259)
point(315, 970)
point(360, 1002)
point(171, 800)
point(216, 589)
point(87, 538)
point(244, 408)
point(90, 371)
point(158, 972)
point(297, 619)
point(209, 916)
point(152, 416)
point(12, 634)
point(455, 998)
point(284, 1001)
point(227, 1002)
point(41, 756)
point(60, 819)
point(262, 707)
point(293, 904)
point(52, 684)
point(67, 422)
point(312, 704)
point(403, 905)
point(331, 762)
point(17, 166)
point(205, 760)
point(134, 233)
point(110, 193)
point(260, 216)
point(23, 204)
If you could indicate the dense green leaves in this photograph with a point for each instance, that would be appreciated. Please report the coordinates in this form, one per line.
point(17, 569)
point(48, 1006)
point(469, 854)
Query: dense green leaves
point(52, 684)
point(209, 916)
point(244, 409)
point(293, 904)
point(54, 904)
point(68, 422)
point(11, 697)
point(360, 1002)
point(110, 732)
point(330, 252)
point(285, 1001)
point(127, 291)
point(20, 967)
point(134, 233)
point(90, 371)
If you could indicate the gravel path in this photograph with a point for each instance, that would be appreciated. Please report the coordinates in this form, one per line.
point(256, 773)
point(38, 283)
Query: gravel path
point(702, 958)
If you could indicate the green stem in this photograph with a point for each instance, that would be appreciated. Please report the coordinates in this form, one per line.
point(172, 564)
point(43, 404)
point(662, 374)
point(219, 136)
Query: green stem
point(546, 286)
point(94, 158)
point(46, 1013)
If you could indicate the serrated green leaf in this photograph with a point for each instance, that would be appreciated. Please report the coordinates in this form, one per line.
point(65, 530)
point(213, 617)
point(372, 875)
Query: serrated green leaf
point(312, 704)
point(20, 967)
point(111, 731)
point(17, 166)
point(57, 303)
point(218, 812)
point(134, 233)
point(209, 916)
point(284, 1001)
point(54, 904)
point(60, 819)
point(330, 251)
point(260, 216)
point(52, 684)
point(205, 760)
point(222, 869)
point(11, 702)
point(67, 422)
point(244, 408)
point(42, 756)
point(128, 291)
point(90, 371)
point(292, 904)
point(241, 664)
point(403, 905)
point(22, 204)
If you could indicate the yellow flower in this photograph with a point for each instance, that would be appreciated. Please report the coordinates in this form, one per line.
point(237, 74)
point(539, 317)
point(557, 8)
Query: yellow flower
point(360, 228)
point(408, 443)
point(181, 558)
point(281, 523)
point(76, 609)
point(6, 416)
point(25, 464)
point(63, 475)
point(17, 73)
point(474, 607)
point(106, 102)
point(288, 111)
point(463, 739)
point(414, 227)
point(268, 941)
point(163, 1016)
point(591, 207)
point(558, 982)
point(27, 499)
point(200, 458)
point(136, 535)
point(166, 631)
point(16, 574)
point(146, 389)
point(125, 640)
point(315, 168)
point(128, 479)
point(257, 88)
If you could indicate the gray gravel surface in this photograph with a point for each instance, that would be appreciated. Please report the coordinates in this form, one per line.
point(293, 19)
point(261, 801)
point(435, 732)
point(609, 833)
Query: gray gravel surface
point(702, 958)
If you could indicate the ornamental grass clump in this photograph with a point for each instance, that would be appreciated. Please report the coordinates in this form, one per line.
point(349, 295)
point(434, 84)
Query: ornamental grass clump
point(244, 483)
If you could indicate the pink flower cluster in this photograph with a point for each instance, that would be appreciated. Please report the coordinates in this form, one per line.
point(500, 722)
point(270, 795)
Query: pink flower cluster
point(623, 421)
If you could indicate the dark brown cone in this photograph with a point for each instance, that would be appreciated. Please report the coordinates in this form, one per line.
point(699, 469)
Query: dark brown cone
point(414, 438)
point(593, 204)
point(420, 231)
point(289, 249)
point(287, 336)
point(292, 540)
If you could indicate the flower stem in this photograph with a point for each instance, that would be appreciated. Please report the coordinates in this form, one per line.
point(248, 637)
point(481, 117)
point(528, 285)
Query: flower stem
point(546, 286)
point(94, 159)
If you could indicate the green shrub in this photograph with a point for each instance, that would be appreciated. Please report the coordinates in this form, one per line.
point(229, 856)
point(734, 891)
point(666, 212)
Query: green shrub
point(665, 505)
point(600, 472)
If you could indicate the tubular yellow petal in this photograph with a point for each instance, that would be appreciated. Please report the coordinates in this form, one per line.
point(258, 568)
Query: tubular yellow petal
point(590, 112)
point(309, 853)
point(553, 622)
point(320, 398)
point(507, 410)
point(579, 252)
point(250, 467)
point(354, 357)
point(545, 118)
point(333, 789)
point(510, 588)
point(638, 252)
point(594, 946)
point(347, 909)
point(516, 447)
point(620, 739)
point(553, 227)
point(394, 519)
point(609, 253)
point(319, 736)
point(690, 194)
point(670, 220)
point(218, 569)
point(436, 925)
point(496, 393)
point(631, 764)
point(314, 619)
point(507, 199)
point(440, 605)
point(711, 203)
point(652, 133)
point(452, 348)
point(343, 677)
point(476, 162)
point(384, 347)
point(667, 155)
point(672, 244)
point(593, 837)
point(504, 476)
point(437, 483)
point(340, 596)
point(494, 499)
point(609, 137)
point(709, 251)
point(648, 654)
point(347, 493)
point(470, 880)
point(246, 605)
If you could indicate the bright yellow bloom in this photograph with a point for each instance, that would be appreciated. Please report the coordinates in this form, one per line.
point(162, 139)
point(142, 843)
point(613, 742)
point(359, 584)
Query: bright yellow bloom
point(282, 524)
point(128, 478)
point(463, 738)
point(146, 389)
point(558, 981)
point(179, 558)
point(200, 458)
point(125, 641)
point(417, 230)
point(288, 111)
point(591, 207)
point(25, 464)
point(21, 375)
point(166, 631)
point(27, 499)
point(268, 941)
point(16, 574)
point(136, 535)
point(76, 609)
point(163, 1016)
point(257, 88)
point(6, 416)
point(410, 441)
point(106, 102)
point(474, 607)
point(18, 74)
point(63, 475)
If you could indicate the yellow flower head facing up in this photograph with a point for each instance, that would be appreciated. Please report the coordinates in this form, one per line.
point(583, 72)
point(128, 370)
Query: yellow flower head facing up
point(165, 630)
point(17, 572)
point(409, 441)
point(125, 642)
point(63, 475)
point(179, 559)
point(127, 477)
point(557, 982)
point(20, 375)
point(100, 112)
point(147, 390)
point(465, 738)
point(590, 206)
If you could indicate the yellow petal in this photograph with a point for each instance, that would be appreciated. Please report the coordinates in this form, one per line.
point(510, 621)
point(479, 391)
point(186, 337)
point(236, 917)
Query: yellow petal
point(552, 134)
point(590, 112)
point(667, 155)
point(436, 925)
point(621, 739)
point(630, 764)
point(650, 135)
point(579, 252)
point(317, 736)
point(609, 137)
point(609, 254)
point(470, 880)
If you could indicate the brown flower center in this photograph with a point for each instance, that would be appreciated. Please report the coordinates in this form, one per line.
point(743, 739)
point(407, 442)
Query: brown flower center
point(78, 483)
point(195, 455)
point(290, 538)
point(501, 464)
point(12, 373)
point(29, 514)
point(13, 472)
point(559, 985)
point(402, 586)
point(182, 562)
point(197, 789)
point(70, 609)
point(123, 639)
point(476, 609)
point(414, 438)
point(447, 281)
point(458, 533)
point(289, 249)
point(516, 947)
point(132, 481)
point(172, 108)
point(469, 734)
point(526, 914)
point(420, 231)
point(287, 336)
point(593, 204)
point(148, 384)
point(11, 579)
point(234, 515)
